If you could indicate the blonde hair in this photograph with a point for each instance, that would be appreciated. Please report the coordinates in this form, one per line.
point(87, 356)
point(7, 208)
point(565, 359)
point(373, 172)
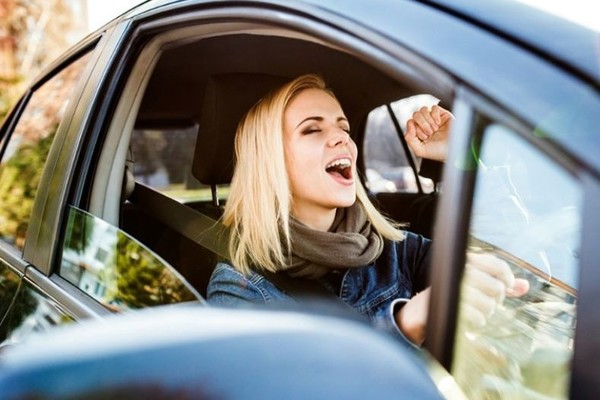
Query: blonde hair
point(259, 203)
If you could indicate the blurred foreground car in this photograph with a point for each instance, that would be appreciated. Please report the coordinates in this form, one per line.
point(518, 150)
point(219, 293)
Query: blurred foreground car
point(115, 164)
point(205, 353)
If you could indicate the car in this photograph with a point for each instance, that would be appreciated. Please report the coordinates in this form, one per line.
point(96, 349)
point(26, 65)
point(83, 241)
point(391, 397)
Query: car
point(204, 353)
point(115, 165)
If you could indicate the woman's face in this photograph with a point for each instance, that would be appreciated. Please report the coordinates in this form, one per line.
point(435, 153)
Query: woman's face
point(320, 156)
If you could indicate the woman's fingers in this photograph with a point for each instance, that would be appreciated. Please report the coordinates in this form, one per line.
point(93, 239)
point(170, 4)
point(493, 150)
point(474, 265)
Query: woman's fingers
point(520, 288)
point(492, 266)
point(425, 122)
point(427, 132)
point(436, 114)
point(472, 316)
point(486, 285)
point(485, 305)
point(488, 280)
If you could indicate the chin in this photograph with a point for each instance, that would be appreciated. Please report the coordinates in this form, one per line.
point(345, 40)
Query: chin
point(347, 202)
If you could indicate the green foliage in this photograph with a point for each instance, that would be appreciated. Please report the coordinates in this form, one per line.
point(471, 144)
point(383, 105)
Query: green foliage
point(9, 283)
point(79, 232)
point(19, 179)
point(143, 280)
point(23, 306)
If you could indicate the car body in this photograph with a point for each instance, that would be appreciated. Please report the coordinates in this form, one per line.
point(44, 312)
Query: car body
point(115, 165)
point(204, 353)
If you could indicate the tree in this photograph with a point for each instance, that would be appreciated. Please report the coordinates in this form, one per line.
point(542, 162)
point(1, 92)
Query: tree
point(143, 280)
point(32, 34)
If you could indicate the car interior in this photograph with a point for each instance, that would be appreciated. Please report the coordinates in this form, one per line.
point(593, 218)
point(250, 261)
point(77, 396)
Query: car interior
point(138, 143)
point(182, 102)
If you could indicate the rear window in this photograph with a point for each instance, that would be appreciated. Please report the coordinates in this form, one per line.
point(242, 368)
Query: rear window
point(24, 158)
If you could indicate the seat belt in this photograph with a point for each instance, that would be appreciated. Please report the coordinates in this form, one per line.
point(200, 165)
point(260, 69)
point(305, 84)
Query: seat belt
point(192, 224)
point(212, 234)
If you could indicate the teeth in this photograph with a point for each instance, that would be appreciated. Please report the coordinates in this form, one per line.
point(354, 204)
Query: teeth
point(342, 162)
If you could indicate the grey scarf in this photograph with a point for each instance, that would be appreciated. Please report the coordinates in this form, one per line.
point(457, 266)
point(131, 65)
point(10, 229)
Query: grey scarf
point(350, 242)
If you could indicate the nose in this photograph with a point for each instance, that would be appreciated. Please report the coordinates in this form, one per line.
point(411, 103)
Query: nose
point(339, 137)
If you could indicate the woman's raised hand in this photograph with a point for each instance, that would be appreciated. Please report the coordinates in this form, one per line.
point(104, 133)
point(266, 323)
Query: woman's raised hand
point(427, 132)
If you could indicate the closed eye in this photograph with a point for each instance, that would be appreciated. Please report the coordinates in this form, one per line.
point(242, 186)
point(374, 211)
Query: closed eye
point(311, 129)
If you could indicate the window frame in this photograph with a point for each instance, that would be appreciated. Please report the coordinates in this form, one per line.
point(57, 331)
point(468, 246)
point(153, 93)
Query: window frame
point(23, 107)
point(453, 220)
point(156, 31)
point(43, 231)
point(585, 366)
point(521, 264)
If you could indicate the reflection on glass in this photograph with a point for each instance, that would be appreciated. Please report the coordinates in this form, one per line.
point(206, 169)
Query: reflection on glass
point(30, 313)
point(527, 212)
point(24, 158)
point(9, 283)
point(115, 269)
point(527, 206)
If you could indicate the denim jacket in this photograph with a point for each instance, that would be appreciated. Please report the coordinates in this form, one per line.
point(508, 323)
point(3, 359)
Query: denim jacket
point(374, 290)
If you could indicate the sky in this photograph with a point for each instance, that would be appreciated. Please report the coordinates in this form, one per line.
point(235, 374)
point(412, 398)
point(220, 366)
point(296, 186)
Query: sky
point(584, 12)
point(102, 11)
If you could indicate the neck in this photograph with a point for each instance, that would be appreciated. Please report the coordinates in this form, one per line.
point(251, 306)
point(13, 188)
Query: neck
point(319, 220)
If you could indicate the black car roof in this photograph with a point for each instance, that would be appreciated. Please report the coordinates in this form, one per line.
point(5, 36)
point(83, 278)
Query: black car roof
point(570, 45)
point(459, 36)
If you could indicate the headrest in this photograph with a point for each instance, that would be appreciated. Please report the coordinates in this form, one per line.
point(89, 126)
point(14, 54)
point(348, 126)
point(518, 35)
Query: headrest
point(227, 98)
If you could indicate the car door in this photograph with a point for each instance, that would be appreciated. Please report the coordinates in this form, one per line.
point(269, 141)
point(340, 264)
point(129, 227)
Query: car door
point(28, 135)
point(9, 286)
point(69, 264)
point(525, 200)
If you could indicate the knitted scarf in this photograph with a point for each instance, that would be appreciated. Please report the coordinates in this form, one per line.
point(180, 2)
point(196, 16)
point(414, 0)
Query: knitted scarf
point(351, 242)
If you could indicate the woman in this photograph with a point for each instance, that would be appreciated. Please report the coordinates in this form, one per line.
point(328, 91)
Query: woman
point(296, 205)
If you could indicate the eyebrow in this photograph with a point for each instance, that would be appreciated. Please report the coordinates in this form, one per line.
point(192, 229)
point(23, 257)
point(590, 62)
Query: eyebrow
point(319, 119)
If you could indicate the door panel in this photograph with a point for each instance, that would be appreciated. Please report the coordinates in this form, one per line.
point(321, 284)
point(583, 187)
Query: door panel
point(527, 211)
point(31, 312)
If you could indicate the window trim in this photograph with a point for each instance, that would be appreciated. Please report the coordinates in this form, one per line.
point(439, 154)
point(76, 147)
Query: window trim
point(70, 299)
point(43, 233)
point(585, 367)
point(452, 220)
point(33, 249)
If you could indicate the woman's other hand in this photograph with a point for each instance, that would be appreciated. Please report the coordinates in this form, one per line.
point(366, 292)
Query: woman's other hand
point(487, 281)
point(427, 132)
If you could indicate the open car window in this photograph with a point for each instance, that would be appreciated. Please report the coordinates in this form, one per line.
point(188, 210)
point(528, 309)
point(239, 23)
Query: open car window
point(162, 157)
point(115, 269)
point(527, 211)
point(387, 162)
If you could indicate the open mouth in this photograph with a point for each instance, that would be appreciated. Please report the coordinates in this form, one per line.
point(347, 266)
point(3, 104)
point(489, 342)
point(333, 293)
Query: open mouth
point(340, 168)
